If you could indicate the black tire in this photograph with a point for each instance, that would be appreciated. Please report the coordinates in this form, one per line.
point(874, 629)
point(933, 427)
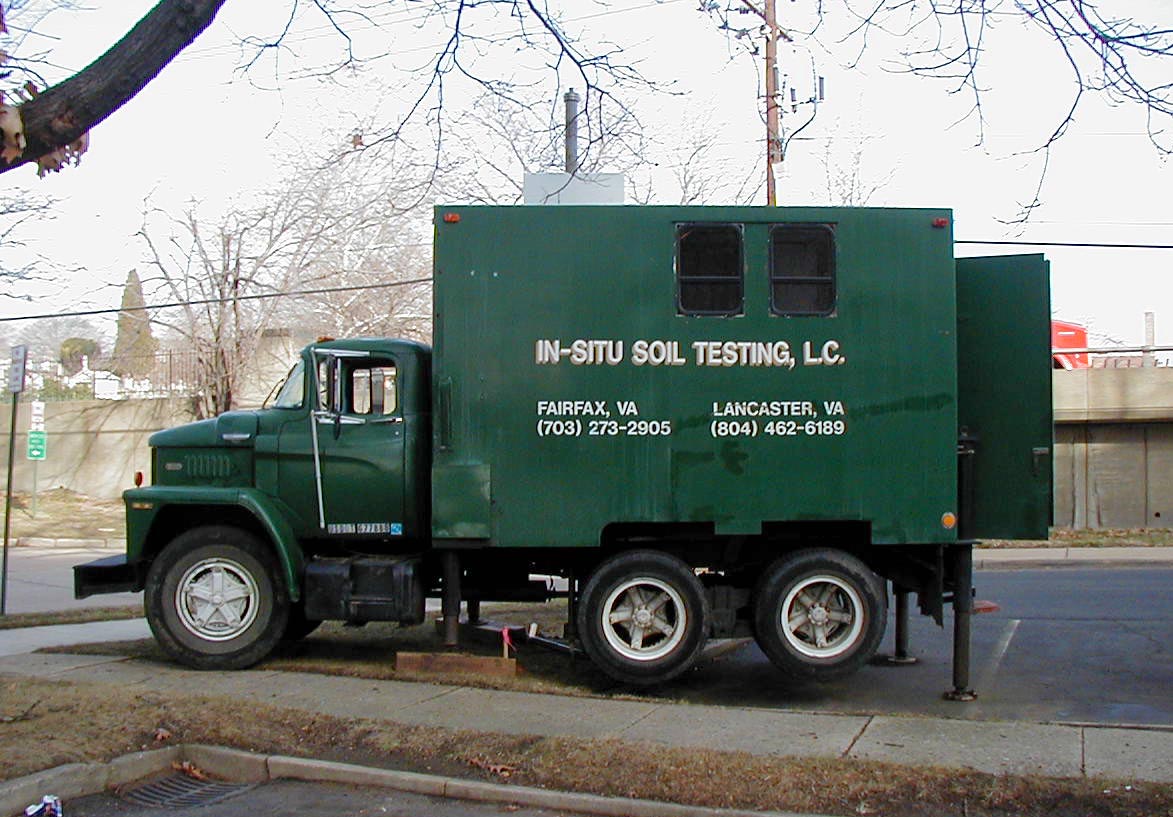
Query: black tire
point(819, 614)
point(246, 612)
point(666, 596)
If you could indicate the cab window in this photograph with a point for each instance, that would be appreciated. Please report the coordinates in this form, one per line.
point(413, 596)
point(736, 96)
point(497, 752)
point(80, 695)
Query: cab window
point(291, 392)
point(372, 389)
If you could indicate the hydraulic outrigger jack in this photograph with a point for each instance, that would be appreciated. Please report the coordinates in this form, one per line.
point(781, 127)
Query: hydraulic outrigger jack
point(901, 656)
point(962, 617)
point(450, 600)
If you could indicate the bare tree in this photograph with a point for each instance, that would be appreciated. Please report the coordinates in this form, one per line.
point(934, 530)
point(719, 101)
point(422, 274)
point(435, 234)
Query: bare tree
point(51, 126)
point(374, 277)
point(848, 182)
point(17, 209)
point(1118, 59)
point(701, 171)
point(501, 139)
point(44, 337)
point(331, 226)
point(1113, 58)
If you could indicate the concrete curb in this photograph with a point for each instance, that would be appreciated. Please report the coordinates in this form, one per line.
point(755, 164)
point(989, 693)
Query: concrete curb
point(75, 780)
point(1014, 558)
point(86, 544)
point(79, 779)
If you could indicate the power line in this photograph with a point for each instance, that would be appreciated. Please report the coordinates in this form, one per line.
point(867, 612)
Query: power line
point(85, 313)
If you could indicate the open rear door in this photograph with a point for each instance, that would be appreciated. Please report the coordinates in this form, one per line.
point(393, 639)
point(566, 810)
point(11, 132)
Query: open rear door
point(1004, 394)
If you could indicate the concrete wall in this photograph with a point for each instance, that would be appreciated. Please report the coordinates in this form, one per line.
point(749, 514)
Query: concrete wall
point(1113, 395)
point(93, 446)
point(1114, 448)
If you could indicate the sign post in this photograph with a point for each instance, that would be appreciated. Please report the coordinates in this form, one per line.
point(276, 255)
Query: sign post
point(37, 445)
point(15, 387)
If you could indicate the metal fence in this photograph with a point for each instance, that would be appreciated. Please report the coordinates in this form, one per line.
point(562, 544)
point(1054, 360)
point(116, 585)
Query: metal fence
point(169, 373)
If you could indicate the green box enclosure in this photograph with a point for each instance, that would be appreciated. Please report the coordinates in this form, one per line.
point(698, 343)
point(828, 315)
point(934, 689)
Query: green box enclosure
point(570, 393)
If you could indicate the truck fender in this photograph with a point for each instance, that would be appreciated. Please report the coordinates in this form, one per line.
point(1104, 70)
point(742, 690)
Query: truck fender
point(144, 505)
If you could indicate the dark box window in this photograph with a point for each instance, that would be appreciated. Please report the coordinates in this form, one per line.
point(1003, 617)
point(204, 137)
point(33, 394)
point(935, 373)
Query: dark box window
point(802, 269)
point(709, 269)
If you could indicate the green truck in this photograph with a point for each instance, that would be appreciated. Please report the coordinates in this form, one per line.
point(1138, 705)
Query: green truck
point(711, 422)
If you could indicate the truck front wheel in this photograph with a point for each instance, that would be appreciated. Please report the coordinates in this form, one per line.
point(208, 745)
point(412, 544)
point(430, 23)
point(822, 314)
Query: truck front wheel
point(215, 599)
point(819, 614)
point(642, 617)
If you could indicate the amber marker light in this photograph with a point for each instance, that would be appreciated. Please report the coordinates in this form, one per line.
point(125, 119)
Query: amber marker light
point(452, 218)
point(948, 520)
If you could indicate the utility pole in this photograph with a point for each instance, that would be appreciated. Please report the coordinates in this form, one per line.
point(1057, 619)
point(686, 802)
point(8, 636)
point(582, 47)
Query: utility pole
point(773, 128)
point(773, 134)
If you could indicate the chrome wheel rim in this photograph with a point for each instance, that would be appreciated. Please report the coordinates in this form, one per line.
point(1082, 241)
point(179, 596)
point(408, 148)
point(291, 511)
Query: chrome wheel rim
point(644, 619)
point(822, 617)
point(217, 599)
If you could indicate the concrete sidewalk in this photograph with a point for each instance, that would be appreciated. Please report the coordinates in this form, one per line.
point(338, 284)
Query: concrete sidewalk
point(1057, 750)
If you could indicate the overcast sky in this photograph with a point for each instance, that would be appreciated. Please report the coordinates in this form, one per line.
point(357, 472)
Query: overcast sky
point(204, 131)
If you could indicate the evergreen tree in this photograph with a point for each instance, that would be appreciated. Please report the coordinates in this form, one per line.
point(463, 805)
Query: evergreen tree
point(134, 347)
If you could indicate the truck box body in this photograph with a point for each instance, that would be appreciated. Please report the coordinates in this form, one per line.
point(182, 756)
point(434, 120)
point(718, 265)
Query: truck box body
point(571, 393)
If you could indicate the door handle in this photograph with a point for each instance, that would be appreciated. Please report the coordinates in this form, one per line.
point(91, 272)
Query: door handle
point(1037, 457)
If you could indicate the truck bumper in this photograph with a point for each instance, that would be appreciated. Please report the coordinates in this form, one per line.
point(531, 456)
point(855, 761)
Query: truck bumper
point(110, 575)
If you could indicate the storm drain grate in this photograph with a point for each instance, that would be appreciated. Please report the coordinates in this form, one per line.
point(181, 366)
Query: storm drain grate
point(179, 791)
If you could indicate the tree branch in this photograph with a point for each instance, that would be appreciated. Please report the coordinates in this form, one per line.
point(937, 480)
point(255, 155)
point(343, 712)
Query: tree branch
point(63, 113)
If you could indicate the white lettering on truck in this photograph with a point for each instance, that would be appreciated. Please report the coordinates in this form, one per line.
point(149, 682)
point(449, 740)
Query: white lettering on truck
point(755, 353)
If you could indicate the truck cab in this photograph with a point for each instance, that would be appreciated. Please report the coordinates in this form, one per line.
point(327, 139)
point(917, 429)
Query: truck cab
point(324, 483)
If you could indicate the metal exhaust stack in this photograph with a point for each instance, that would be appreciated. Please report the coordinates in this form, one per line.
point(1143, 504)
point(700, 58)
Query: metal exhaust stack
point(571, 99)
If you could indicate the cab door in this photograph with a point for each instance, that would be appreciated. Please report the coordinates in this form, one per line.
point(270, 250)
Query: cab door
point(1004, 396)
point(358, 444)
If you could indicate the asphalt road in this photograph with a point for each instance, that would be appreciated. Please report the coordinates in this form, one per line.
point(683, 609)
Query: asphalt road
point(1068, 645)
point(40, 579)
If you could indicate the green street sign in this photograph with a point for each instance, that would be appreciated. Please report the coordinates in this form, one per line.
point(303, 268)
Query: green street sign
point(37, 445)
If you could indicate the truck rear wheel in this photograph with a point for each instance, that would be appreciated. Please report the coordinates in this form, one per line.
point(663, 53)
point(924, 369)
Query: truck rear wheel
point(819, 614)
point(642, 617)
point(215, 599)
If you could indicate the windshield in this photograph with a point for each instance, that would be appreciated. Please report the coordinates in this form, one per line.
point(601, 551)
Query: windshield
point(290, 392)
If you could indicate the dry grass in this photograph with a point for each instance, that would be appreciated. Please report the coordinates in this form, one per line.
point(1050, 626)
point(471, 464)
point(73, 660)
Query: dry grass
point(81, 615)
point(1088, 538)
point(47, 723)
point(369, 652)
point(63, 514)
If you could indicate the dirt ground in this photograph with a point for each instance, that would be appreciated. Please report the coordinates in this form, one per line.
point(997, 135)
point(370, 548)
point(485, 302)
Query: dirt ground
point(46, 723)
point(63, 514)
